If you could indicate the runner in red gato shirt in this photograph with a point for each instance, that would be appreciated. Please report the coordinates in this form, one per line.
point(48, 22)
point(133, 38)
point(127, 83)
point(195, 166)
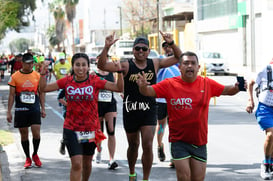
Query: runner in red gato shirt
point(81, 126)
point(188, 98)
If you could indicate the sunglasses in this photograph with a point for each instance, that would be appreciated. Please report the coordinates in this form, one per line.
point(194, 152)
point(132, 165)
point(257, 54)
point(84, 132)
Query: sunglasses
point(137, 48)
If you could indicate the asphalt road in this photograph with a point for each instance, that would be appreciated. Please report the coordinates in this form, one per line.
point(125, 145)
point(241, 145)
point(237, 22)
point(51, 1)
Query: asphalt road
point(235, 146)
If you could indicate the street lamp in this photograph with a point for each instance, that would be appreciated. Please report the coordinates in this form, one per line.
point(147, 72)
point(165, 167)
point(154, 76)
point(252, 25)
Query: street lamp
point(120, 20)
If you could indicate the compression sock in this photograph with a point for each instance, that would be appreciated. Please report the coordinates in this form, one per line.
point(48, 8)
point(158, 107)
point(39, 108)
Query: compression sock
point(267, 160)
point(25, 145)
point(36, 143)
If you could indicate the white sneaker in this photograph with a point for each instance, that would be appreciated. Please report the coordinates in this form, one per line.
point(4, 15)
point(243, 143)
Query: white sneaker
point(98, 157)
point(265, 171)
point(112, 165)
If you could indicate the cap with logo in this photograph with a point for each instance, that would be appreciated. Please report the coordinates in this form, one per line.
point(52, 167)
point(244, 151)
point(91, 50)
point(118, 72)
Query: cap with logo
point(28, 58)
point(141, 40)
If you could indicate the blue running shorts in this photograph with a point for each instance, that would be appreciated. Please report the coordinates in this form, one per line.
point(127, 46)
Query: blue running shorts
point(264, 116)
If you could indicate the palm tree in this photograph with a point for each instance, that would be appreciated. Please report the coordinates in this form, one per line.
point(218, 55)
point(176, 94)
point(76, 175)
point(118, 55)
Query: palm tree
point(70, 9)
point(59, 16)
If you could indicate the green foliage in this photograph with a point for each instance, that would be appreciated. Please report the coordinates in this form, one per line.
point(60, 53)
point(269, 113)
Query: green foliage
point(51, 34)
point(6, 137)
point(15, 14)
point(20, 45)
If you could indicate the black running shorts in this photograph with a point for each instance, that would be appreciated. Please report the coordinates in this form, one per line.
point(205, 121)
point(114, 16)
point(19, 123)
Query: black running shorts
point(161, 110)
point(76, 148)
point(106, 107)
point(181, 150)
point(132, 121)
point(26, 119)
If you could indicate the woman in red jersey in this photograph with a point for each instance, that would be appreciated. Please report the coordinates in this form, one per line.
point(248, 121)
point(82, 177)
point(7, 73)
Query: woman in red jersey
point(81, 125)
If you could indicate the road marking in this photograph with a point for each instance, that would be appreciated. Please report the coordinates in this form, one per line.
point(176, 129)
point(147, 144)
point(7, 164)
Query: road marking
point(55, 111)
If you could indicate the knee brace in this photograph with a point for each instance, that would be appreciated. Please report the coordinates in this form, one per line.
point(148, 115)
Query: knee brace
point(112, 133)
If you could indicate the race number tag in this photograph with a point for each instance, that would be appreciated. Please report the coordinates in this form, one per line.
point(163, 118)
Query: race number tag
point(3, 67)
point(27, 97)
point(85, 136)
point(105, 96)
point(63, 71)
point(49, 66)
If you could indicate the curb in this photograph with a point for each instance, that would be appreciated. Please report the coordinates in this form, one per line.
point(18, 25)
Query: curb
point(4, 164)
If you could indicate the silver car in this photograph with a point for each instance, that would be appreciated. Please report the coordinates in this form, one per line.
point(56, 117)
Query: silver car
point(213, 62)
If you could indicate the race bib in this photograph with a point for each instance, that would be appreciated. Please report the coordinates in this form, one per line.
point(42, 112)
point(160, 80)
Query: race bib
point(3, 66)
point(49, 66)
point(27, 97)
point(266, 97)
point(105, 96)
point(63, 71)
point(85, 136)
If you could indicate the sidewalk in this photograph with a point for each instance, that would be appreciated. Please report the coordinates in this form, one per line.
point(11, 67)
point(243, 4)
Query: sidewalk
point(4, 164)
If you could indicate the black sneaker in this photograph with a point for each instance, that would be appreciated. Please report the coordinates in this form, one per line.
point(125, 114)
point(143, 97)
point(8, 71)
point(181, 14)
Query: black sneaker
point(112, 165)
point(161, 154)
point(62, 147)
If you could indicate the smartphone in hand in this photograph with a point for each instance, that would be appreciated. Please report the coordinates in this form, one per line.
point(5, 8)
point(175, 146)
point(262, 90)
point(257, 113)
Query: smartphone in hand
point(241, 81)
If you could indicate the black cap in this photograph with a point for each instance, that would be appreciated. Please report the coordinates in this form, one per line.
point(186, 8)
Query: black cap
point(19, 55)
point(164, 44)
point(28, 58)
point(141, 40)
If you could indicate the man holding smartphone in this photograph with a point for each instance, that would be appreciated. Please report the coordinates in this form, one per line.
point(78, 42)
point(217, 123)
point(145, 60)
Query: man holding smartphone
point(187, 98)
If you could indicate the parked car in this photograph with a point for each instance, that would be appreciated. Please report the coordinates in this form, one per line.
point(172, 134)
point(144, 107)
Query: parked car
point(93, 57)
point(213, 62)
point(153, 54)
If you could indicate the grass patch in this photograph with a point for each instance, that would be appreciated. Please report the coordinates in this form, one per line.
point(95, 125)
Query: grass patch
point(6, 137)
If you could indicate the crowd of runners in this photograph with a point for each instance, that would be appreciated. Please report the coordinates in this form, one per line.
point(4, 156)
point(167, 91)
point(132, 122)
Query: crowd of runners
point(155, 92)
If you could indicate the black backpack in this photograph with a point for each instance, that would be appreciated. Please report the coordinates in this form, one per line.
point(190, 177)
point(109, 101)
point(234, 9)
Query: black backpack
point(269, 80)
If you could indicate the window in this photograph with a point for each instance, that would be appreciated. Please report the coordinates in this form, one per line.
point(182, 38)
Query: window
point(216, 8)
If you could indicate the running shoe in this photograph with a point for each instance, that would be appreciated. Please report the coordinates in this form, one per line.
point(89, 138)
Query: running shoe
point(112, 165)
point(265, 171)
point(161, 154)
point(62, 147)
point(98, 157)
point(28, 163)
point(172, 164)
point(133, 177)
point(36, 160)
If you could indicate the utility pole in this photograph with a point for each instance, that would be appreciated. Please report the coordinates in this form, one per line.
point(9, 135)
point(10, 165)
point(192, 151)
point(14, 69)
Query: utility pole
point(252, 30)
point(159, 27)
point(120, 20)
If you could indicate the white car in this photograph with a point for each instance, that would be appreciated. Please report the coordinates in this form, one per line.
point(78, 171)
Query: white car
point(212, 62)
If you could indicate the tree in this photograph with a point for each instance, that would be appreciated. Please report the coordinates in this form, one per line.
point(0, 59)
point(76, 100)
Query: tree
point(59, 16)
point(70, 9)
point(20, 45)
point(138, 14)
point(51, 34)
point(142, 15)
point(15, 14)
